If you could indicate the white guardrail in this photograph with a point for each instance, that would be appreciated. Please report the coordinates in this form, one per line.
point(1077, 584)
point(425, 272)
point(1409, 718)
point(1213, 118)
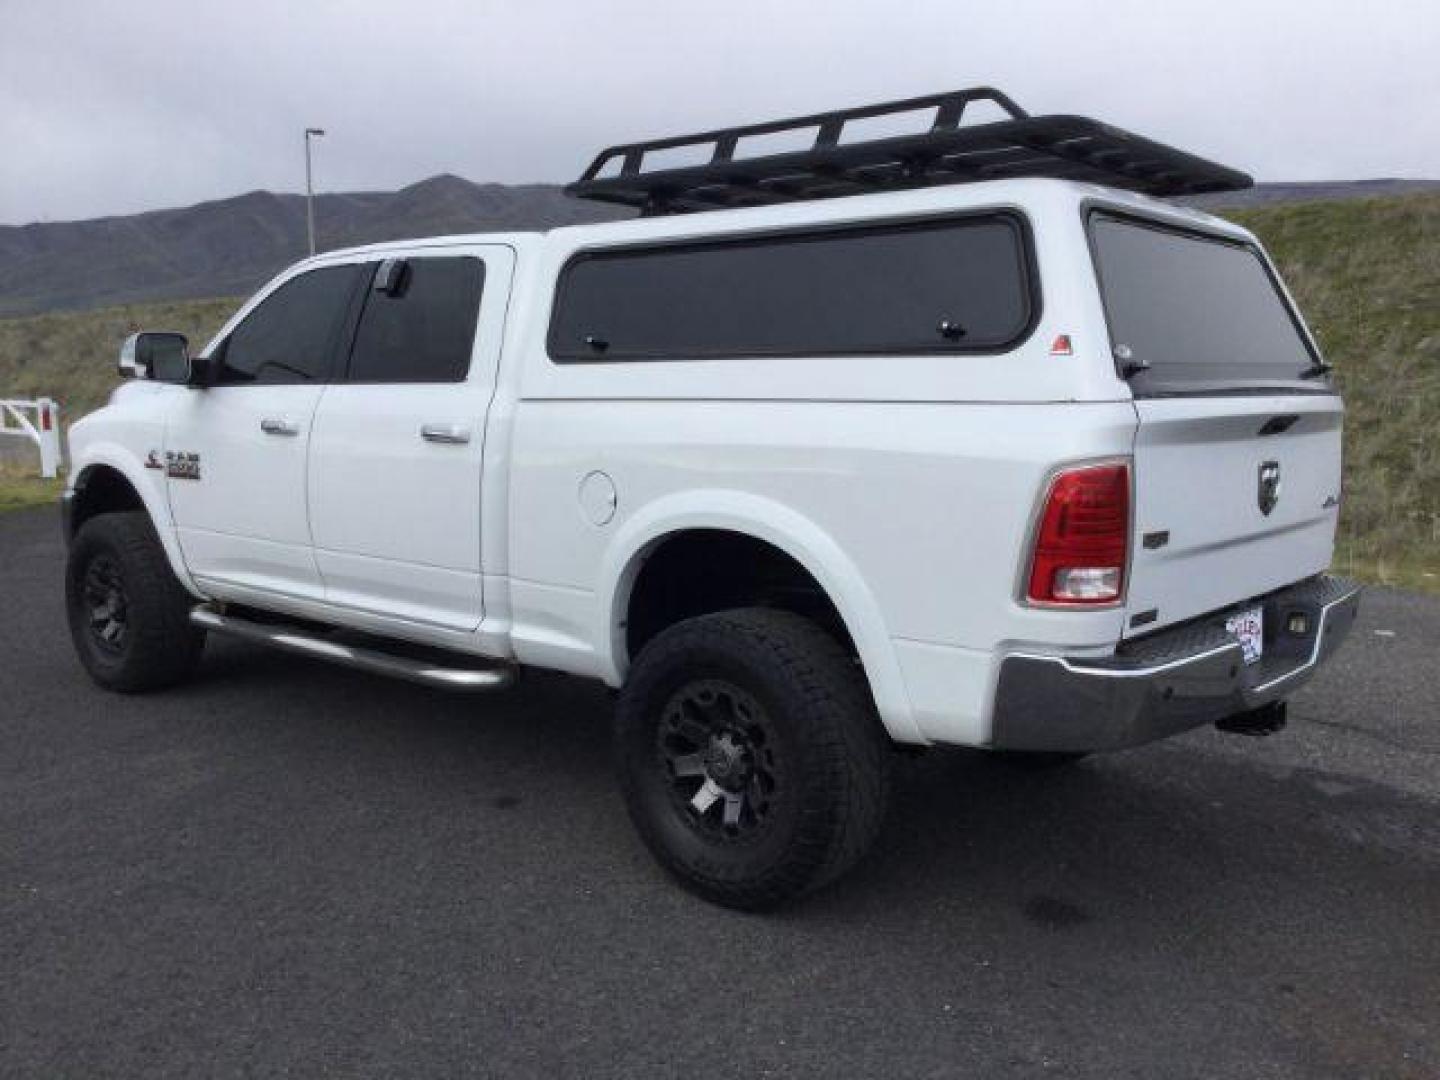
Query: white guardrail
point(38, 421)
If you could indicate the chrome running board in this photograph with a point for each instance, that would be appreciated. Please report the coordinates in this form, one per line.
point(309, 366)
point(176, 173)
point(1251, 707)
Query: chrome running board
point(295, 640)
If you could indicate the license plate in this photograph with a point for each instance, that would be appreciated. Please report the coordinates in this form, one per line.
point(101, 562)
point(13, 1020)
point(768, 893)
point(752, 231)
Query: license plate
point(1249, 627)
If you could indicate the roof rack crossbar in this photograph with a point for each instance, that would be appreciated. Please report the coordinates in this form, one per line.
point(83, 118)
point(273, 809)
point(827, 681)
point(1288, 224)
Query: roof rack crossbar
point(829, 128)
point(950, 151)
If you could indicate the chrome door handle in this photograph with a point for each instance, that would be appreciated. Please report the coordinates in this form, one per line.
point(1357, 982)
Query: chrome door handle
point(445, 433)
point(279, 427)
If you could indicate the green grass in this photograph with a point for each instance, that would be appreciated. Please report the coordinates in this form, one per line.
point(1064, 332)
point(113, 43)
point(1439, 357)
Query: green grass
point(70, 356)
point(1418, 577)
point(1365, 272)
point(20, 491)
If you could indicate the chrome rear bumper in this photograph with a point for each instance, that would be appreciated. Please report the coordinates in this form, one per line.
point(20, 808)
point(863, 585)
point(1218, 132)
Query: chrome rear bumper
point(1170, 681)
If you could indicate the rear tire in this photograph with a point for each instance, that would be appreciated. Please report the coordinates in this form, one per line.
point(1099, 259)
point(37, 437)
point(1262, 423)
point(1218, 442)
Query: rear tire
point(129, 616)
point(750, 756)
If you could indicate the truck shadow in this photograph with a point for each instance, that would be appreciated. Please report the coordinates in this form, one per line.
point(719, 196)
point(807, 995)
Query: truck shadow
point(299, 812)
point(1157, 836)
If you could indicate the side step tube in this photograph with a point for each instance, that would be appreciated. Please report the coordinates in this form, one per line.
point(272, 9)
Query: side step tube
point(293, 640)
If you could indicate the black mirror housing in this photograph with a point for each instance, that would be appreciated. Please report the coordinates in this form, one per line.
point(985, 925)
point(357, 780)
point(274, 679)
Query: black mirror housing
point(203, 371)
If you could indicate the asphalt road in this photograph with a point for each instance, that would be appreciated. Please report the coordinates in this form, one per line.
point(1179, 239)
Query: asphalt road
point(286, 868)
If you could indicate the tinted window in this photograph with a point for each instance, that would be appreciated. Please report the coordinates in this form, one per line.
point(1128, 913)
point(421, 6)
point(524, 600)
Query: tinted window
point(856, 291)
point(1202, 312)
point(293, 335)
point(423, 329)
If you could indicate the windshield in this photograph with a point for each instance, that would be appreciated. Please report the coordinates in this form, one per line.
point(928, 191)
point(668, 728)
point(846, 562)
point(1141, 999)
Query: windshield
point(1201, 313)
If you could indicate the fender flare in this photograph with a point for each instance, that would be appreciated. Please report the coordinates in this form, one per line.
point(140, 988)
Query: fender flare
point(121, 459)
point(783, 528)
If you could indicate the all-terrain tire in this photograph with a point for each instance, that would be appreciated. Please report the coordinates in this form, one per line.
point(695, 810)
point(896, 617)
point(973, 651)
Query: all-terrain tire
point(129, 616)
point(799, 710)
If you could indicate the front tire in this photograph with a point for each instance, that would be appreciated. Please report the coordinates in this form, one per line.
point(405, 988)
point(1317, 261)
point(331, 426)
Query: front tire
point(129, 616)
point(750, 755)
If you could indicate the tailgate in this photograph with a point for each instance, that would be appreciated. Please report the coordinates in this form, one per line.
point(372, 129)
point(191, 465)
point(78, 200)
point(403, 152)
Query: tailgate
point(1237, 452)
point(1234, 497)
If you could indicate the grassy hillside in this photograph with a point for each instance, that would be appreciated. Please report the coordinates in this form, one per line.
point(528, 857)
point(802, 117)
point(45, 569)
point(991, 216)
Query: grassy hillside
point(71, 356)
point(1366, 273)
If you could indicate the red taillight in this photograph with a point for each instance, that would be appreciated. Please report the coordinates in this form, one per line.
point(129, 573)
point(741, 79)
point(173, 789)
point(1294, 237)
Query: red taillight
point(1080, 546)
point(44, 417)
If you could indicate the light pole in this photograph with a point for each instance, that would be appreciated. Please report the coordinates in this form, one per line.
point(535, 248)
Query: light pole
point(309, 187)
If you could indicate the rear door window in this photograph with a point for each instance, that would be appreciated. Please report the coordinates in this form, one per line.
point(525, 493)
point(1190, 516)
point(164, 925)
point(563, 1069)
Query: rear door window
point(955, 285)
point(421, 329)
point(1202, 313)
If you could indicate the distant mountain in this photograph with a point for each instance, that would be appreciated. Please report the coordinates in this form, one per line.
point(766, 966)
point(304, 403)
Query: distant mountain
point(231, 246)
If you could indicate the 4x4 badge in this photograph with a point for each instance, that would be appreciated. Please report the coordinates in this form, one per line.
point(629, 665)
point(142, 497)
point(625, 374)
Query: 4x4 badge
point(1269, 490)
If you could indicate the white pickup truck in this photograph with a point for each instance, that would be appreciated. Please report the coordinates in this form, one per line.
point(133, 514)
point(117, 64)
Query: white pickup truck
point(955, 437)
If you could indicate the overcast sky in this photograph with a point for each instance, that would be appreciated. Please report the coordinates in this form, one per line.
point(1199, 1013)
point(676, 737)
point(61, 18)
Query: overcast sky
point(114, 107)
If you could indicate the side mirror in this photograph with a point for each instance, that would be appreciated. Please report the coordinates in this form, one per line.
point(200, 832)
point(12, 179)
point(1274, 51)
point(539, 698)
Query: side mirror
point(160, 357)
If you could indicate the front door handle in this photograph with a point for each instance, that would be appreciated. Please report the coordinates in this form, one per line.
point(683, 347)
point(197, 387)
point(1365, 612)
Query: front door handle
point(274, 426)
point(445, 433)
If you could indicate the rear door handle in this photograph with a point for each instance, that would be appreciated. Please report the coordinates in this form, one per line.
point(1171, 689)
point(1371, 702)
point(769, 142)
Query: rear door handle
point(274, 426)
point(445, 433)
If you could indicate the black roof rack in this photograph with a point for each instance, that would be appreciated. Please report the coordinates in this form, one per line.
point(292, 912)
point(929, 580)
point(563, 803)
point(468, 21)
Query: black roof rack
point(1070, 147)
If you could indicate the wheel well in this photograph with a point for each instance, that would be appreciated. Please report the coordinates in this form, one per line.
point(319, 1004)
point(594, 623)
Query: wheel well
point(705, 570)
point(101, 490)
